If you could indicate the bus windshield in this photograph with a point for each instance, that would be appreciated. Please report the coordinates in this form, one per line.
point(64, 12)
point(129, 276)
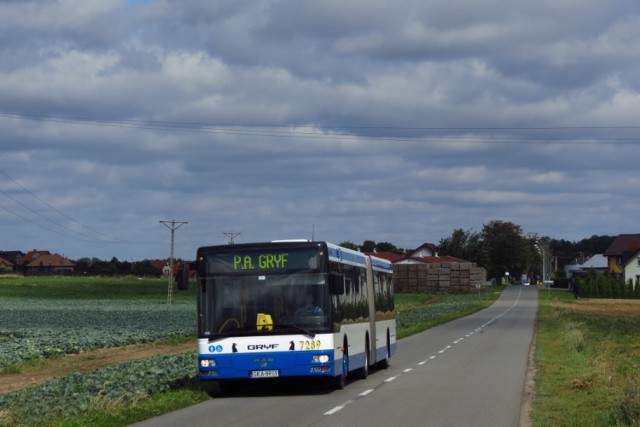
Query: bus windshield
point(250, 304)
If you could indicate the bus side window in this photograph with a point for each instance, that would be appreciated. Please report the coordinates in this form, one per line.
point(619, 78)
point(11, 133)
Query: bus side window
point(336, 282)
point(355, 273)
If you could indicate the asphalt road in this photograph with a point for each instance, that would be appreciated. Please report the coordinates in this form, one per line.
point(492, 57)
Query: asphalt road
point(469, 372)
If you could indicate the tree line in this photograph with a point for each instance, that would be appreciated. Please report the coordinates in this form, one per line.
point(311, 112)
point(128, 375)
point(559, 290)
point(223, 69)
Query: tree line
point(114, 267)
point(503, 247)
point(500, 247)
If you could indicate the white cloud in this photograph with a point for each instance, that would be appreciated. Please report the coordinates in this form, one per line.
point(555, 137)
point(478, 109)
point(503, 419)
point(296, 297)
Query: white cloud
point(548, 178)
point(359, 119)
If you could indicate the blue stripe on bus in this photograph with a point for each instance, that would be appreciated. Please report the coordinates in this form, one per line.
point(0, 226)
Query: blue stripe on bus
point(339, 254)
point(383, 264)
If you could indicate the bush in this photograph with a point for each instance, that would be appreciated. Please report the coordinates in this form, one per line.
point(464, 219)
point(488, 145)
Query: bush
point(601, 286)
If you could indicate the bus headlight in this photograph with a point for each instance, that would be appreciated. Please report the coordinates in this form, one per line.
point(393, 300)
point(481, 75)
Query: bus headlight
point(206, 363)
point(320, 358)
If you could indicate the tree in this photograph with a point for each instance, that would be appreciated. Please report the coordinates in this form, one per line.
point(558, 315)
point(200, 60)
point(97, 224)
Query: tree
point(463, 244)
point(349, 245)
point(388, 247)
point(565, 251)
point(507, 250)
point(368, 246)
point(500, 248)
point(145, 268)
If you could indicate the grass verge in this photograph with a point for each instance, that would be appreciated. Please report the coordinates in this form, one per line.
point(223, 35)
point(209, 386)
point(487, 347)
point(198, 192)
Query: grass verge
point(587, 363)
point(115, 414)
point(418, 312)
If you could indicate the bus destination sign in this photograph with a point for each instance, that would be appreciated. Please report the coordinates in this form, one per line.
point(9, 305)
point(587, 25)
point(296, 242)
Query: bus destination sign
point(270, 261)
point(267, 261)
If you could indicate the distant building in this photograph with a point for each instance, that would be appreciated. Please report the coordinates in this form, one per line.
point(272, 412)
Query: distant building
point(6, 266)
point(31, 256)
point(423, 270)
point(620, 252)
point(389, 256)
point(44, 262)
point(161, 266)
point(166, 270)
point(632, 268)
point(13, 257)
point(598, 263)
point(424, 250)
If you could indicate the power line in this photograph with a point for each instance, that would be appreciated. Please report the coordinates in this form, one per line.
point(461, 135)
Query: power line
point(293, 130)
point(174, 124)
point(46, 219)
point(37, 224)
point(93, 239)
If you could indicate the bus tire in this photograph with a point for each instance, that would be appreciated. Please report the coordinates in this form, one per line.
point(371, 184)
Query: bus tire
point(231, 386)
point(364, 371)
point(338, 382)
point(384, 363)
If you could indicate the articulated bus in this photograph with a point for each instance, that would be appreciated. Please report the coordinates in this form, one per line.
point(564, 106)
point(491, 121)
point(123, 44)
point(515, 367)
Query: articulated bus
point(292, 309)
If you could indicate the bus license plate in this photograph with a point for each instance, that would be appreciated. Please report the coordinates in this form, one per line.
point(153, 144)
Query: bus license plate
point(270, 373)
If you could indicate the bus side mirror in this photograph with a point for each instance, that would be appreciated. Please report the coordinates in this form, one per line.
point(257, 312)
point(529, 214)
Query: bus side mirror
point(182, 277)
point(336, 284)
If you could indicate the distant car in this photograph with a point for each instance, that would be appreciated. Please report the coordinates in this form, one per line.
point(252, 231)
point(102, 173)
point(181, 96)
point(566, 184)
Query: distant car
point(527, 283)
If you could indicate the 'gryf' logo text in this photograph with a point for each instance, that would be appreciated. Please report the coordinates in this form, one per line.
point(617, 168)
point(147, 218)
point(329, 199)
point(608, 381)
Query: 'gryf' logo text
point(262, 346)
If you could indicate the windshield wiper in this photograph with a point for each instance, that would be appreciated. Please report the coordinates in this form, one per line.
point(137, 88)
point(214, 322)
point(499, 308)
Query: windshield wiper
point(253, 331)
point(299, 328)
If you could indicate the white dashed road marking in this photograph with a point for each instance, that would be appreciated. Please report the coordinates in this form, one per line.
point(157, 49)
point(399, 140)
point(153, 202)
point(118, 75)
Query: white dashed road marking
point(388, 380)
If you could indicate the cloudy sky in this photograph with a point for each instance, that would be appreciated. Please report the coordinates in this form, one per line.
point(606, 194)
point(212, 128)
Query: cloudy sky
point(392, 121)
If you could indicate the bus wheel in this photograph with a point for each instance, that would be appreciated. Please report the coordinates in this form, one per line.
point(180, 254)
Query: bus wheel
point(339, 382)
point(384, 363)
point(364, 371)
point(231, 386)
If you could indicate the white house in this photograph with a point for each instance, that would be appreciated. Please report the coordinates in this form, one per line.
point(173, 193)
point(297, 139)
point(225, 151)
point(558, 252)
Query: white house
point(597, 263)
point(632, 267)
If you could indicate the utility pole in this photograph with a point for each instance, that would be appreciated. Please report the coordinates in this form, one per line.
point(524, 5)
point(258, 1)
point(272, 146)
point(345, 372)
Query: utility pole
point(173, 226)
point(232, 235)
point(545, 252)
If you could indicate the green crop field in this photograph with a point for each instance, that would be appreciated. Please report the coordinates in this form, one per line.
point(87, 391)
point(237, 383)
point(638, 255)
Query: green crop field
point(37, 328)
point(44, 319)
point(51, 317)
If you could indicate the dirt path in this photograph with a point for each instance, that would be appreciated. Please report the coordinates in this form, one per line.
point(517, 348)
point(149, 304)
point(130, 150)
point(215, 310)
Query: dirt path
point(85, 362)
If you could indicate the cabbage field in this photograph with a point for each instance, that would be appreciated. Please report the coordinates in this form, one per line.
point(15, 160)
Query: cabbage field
point(32, 328)
point(81, 392)
point(50, 317)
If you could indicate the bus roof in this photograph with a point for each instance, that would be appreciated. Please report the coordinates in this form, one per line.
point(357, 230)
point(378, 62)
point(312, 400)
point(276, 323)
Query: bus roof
point(381, 264)
point(336, 253)
point(347, 256)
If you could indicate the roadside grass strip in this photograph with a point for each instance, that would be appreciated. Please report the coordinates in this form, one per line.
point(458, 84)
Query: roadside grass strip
point(453, 306)
point(31, 328)
point(587, 362)
point(80, 393)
